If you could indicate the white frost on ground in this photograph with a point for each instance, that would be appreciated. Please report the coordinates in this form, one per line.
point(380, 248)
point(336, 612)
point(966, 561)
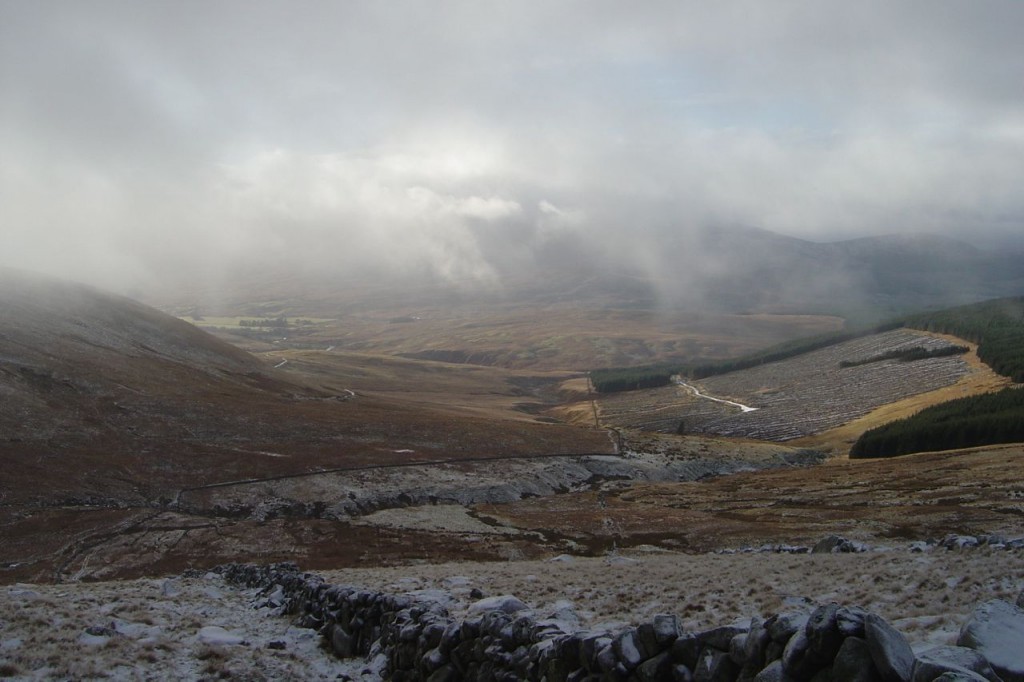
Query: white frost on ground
point(438, 517)
point(201, 628)
point(175, 629)
point(927, 596)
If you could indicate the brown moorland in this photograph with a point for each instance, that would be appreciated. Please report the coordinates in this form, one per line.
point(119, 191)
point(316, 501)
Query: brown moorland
point(121, 424)
point(912, 497)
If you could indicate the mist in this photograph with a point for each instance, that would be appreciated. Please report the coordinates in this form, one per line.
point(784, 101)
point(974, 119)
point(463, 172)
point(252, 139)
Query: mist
point(148, 146)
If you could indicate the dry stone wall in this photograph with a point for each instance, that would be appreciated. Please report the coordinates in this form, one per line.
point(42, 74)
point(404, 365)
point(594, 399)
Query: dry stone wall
point(501, 640)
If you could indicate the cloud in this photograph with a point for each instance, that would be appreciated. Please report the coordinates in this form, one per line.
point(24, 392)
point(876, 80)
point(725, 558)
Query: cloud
point(143, 142)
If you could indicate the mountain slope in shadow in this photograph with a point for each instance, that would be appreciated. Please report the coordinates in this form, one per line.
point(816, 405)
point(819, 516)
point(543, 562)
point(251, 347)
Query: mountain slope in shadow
point(108, 402)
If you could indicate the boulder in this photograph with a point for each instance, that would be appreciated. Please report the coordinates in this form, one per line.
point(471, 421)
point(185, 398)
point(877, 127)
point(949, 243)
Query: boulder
point(627, 649)
point(666, 629)
point(721, 637)
point(934, 662)
point(835, 544)
point(815, 646)
point(655, 669)
point(446, 673)
point(823, 634)
point(505, 603)
point(216, 635)
point(853, 662)
point(686, 650)
point(342, 643)
point(715, 666)
point(959, 677)
point(996, 631)
point(680, 673)
point(890, 650)
point(647, 641)
point(784, 625)
point(773, 673)
point(850, 621)
point(793, 656)
point(755, 644)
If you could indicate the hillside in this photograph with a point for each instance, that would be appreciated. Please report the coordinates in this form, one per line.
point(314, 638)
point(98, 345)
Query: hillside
point(111, 408)
point(804, 395)
point(86, 374)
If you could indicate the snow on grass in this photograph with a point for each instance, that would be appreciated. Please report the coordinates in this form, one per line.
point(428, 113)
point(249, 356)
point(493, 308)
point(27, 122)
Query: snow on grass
point(927, 595)
point(202, 628)
point(175, 629)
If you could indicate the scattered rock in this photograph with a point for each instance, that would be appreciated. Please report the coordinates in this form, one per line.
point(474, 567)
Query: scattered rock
point(996, 631)
point(23, 593)
point(835, 544)
point(218, 636)
point(90, 640)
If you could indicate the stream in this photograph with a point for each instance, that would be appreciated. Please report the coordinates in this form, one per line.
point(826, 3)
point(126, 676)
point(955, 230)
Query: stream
point(743, 408)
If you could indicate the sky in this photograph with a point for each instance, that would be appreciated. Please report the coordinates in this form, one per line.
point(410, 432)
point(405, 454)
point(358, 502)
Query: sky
point(150, 143)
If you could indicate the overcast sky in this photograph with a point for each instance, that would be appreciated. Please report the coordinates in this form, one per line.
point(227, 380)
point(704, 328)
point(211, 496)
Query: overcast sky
point(144, 141)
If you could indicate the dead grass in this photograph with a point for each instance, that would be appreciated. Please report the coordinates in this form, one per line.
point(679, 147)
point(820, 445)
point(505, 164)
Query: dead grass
point(577, 336)
point(912, 497)
point(927, 596)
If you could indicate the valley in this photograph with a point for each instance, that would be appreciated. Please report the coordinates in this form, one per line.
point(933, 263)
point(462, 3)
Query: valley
point(138, 445)
point(333, 430)
point(511, 342)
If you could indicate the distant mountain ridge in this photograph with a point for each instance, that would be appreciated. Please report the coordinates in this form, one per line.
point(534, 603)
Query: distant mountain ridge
point(733, 269)
point(755, 269)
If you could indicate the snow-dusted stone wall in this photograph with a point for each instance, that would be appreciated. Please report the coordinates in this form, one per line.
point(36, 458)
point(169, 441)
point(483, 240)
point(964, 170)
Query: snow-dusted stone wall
point(500, 639)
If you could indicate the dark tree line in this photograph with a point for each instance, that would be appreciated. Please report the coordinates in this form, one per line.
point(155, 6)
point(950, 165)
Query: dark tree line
point(908, 355)
point(996, 326)
point(786, 350)
point(966, 422)
point(277, 322)
point(650, 376)
point(632, 378)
